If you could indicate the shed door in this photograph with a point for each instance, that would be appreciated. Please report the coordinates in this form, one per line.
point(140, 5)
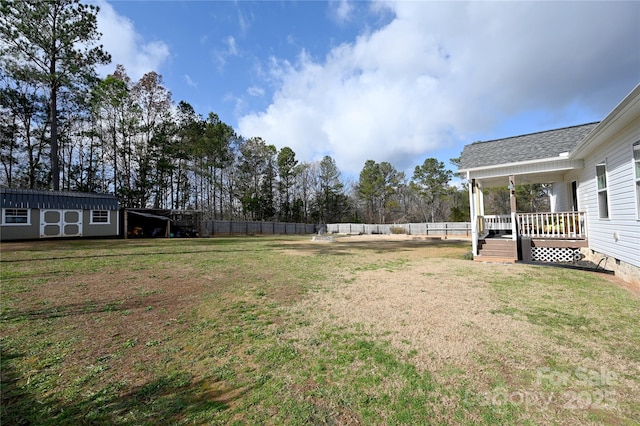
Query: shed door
point(60, 223)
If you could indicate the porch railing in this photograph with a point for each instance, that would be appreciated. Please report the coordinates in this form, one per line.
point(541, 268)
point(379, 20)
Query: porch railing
point(493, 223)
point(498, 222)
point(567, 225)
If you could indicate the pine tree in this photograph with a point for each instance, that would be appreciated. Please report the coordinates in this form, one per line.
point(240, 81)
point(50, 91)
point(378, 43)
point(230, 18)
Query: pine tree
point(53, 43)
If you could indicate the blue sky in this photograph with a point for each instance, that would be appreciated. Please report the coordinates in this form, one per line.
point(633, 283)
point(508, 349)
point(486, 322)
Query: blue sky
point(387, 81)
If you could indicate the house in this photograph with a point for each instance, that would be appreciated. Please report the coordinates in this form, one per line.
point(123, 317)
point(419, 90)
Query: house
point(30, 214)
point(594, 175)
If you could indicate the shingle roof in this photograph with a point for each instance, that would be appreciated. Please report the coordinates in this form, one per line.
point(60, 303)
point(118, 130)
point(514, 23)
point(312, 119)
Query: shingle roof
point(533, 146)
point(32, 199)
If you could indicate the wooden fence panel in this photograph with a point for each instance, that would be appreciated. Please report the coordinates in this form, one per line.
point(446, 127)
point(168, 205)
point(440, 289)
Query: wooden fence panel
point(229, 227)
point(234, 227)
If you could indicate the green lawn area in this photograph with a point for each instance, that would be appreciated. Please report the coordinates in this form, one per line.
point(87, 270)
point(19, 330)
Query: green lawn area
point(282, 330)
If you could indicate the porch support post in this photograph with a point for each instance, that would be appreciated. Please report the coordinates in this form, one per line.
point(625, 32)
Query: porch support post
point(512, 202)
point(474, 215)
point(126, 223)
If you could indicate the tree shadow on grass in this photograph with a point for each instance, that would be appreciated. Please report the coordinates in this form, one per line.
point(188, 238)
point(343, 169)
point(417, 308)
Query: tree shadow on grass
point(170, 399)
point(173, 398)
point(20, 313)
point(127, 254)
point(91, 249)
point(346, 248)
point(14, 400)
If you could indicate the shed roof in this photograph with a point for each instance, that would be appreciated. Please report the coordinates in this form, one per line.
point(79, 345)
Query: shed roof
point(32, 199)
point(529, 147)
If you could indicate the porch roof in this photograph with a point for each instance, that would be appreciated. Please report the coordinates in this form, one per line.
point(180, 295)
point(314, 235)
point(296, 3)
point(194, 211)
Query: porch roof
point(537, 147)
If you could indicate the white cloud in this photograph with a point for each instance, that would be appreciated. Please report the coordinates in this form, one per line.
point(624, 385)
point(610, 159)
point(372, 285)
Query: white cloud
point(341, 10)
point(126, 46)
point(255, 91)
point(442, 71)
point(244, 22)
point(230, 49)
point(190, 81)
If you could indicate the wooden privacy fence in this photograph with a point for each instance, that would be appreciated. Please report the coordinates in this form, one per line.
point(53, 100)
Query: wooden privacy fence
point(232, 227)
point(440, 228)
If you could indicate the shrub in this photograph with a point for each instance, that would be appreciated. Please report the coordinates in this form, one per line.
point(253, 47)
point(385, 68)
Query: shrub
point(397, 230)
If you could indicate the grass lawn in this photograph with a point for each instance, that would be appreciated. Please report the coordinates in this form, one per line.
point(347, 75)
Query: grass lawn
point(283, 330)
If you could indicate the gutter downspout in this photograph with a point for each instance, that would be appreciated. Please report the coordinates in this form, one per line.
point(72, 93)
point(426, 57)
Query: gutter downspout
point(512, 203)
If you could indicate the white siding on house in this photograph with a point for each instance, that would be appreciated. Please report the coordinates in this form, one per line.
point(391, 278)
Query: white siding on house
point(619, 235)
point(636, 171)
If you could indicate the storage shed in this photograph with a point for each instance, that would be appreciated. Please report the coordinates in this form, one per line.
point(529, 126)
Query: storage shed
point(31, 214)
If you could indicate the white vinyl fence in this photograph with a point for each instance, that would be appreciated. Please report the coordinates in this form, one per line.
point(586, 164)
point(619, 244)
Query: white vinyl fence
point(440, 228)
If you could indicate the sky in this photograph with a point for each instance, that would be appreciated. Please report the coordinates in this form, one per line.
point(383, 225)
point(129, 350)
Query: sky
point(395, 81)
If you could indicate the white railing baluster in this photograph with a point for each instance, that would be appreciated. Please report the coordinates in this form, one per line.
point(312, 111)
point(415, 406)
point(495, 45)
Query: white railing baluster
point(561, 225)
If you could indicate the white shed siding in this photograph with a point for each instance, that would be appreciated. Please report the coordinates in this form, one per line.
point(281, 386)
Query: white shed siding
point(619, 235)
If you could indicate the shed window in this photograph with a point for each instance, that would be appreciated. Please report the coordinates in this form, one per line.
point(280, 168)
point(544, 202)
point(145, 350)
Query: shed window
point(636, 161)
point(603, 198)
point(15, 217)
point(100, 216)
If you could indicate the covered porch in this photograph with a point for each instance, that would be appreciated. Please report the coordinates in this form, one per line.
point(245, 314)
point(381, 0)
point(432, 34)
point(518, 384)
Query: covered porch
point(542, 237)
point(535, 158)
point(545, 236)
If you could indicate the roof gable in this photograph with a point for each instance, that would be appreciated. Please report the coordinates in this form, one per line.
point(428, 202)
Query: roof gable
point(529, 147)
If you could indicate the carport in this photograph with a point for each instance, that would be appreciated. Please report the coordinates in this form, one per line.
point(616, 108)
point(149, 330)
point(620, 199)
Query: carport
point(147, 223)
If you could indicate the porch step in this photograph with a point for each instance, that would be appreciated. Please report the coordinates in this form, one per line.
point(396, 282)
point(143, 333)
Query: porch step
point(497, 248)
point(492, 259)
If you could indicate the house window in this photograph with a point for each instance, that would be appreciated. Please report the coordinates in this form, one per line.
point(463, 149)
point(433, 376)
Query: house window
point(100, 216)
point(15, 217)
point(603, 198)
point(636, 161)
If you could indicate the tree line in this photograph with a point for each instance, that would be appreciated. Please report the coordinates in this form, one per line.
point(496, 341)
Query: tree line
point(63, 128)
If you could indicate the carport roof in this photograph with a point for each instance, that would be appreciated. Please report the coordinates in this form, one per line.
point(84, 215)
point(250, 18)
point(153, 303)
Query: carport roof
point(148, 215)
point(33, 199)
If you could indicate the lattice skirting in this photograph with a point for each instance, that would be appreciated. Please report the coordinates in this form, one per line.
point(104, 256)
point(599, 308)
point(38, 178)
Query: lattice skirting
point(555, 254)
